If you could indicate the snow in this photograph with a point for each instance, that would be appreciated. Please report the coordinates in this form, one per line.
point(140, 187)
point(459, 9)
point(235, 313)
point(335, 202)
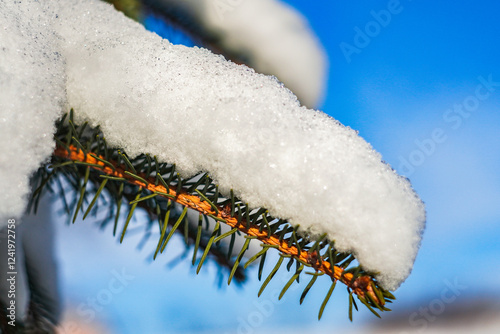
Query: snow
point(190, 107)
point(276, 38)
point(31, 95)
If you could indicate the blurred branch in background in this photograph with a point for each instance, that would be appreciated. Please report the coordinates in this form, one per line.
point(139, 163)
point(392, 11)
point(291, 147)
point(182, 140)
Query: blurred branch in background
point(267, 35)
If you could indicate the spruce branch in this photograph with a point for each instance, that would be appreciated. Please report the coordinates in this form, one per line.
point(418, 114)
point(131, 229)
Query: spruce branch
point(359, 284)
point(153, 186)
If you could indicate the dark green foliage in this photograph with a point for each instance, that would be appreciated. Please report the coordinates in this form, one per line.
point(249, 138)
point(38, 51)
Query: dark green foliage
point(90, 188)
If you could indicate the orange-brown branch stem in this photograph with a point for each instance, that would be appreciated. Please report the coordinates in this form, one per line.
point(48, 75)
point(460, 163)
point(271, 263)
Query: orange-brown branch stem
point(360, 286)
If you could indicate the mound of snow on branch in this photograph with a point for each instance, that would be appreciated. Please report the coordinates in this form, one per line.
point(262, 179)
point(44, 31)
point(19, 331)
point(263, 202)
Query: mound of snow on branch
point(190, 107)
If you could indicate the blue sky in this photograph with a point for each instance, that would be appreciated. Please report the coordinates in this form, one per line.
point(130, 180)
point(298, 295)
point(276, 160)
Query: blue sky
point(399, 91)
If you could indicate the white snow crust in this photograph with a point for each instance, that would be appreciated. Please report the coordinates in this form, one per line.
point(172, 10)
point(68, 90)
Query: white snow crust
point(32, 83)
point(190, 107)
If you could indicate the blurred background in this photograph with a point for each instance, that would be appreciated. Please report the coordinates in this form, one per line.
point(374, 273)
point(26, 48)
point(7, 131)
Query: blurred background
point(420, 81)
